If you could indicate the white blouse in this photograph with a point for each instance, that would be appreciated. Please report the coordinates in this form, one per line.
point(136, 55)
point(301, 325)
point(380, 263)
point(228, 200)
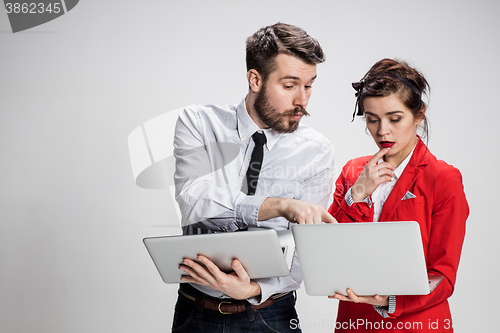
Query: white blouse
point(381, 193)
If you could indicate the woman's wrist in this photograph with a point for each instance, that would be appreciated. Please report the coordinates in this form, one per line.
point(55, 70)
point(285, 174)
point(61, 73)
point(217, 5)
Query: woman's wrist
point(356, 195)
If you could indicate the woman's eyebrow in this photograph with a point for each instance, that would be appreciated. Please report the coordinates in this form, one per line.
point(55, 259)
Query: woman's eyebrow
point(387, 113)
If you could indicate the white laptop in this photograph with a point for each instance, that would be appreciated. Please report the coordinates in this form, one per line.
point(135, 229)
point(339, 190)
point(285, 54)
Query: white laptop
point(384, 258)
point(259, 251)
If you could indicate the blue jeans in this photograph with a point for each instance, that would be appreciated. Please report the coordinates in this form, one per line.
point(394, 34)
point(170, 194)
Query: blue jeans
point(278, 317)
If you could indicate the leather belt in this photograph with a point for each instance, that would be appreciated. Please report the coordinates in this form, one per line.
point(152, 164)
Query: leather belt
point(230, 307)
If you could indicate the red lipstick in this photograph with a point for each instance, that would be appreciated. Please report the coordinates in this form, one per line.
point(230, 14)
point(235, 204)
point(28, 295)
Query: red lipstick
point(387, 144)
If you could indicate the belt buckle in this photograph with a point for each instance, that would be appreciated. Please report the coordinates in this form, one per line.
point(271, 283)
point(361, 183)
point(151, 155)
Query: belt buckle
point(220, 304)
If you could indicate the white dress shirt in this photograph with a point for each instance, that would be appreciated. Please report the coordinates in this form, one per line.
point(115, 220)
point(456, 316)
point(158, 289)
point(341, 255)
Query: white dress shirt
point(212, 147)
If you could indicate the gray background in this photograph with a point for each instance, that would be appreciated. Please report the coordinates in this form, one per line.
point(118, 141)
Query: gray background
point(71, 90)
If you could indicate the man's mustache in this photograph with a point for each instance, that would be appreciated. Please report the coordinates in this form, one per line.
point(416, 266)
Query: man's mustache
point(295, 112)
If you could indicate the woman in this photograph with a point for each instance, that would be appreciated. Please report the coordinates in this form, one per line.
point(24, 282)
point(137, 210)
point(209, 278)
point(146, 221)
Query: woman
point(403, 181)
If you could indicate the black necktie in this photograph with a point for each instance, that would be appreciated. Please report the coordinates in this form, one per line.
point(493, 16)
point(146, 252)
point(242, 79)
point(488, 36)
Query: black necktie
point(256, 161)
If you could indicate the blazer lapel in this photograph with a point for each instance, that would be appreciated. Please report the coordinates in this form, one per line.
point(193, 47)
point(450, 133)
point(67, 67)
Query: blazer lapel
point(418, 160)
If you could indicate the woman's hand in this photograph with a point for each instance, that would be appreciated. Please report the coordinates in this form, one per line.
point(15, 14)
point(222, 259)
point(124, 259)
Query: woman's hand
point(372, 176)
point(352, 297)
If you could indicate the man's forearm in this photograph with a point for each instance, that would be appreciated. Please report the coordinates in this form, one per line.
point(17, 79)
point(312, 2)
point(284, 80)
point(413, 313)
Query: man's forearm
point(272, 207)
point(296, 211)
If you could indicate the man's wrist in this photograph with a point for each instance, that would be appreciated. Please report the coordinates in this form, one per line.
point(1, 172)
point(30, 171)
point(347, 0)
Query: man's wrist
point(282, 206)
point(256, 291)
point(273, 207)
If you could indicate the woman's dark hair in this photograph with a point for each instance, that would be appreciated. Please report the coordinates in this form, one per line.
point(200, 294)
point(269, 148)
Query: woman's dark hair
point(391, 77)
point(264, 45)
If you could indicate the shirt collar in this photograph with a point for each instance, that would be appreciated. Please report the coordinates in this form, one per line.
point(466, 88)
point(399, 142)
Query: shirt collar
point(247, 127)
point(399, 170)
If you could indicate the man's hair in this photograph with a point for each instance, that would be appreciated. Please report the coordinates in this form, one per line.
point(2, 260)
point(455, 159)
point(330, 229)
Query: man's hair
point(280, 38)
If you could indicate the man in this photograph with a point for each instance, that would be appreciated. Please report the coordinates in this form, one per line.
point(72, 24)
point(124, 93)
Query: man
point(219, 189)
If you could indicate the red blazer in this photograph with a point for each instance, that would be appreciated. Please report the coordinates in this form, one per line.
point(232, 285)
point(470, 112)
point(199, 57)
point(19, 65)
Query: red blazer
point(441, 209)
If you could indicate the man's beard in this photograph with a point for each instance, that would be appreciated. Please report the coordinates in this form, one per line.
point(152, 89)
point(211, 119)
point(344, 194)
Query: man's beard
point(272, 118)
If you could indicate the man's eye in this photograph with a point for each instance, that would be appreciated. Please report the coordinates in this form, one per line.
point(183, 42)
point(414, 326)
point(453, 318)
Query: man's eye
point(288, 87)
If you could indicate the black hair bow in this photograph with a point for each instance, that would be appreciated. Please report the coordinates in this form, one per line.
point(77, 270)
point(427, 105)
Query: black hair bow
point(358, 86)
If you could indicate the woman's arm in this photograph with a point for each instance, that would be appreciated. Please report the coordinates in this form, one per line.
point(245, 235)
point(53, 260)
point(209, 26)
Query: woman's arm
point(349, 211)
point(449, 214)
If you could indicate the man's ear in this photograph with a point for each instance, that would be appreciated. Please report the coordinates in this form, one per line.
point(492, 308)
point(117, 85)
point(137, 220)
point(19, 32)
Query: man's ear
point(255, 81)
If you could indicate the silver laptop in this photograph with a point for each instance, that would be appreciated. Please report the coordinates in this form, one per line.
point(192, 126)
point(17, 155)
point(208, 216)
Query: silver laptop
point(259, 251)
point(384, 258)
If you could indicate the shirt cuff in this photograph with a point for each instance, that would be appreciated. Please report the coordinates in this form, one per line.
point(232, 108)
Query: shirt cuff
point(247, 211)
point(350, 201)
point(392, 304)
point(267, 288)
point(384, 311)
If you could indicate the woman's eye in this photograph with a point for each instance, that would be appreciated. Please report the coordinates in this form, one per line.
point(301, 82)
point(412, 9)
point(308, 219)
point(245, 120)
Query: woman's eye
point(395, 120)
point(370, 120)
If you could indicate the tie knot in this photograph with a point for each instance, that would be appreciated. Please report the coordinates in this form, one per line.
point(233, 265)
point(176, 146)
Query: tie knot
point(259, 138)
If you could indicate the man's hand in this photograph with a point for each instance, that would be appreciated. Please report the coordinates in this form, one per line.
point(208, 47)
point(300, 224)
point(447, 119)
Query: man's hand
point(236, 285)
point(296, 211)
